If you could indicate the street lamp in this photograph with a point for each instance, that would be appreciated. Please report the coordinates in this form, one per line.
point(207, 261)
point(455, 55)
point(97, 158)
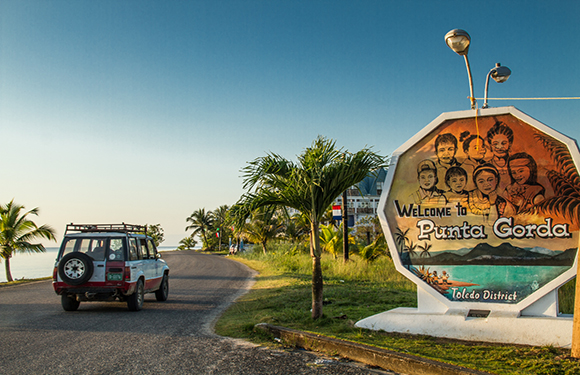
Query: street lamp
point(458, 40)
point(500, 74)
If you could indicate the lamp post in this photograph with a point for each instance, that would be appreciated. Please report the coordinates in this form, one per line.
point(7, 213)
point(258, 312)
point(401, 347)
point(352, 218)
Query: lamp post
point(458, 40)
point(500, 74)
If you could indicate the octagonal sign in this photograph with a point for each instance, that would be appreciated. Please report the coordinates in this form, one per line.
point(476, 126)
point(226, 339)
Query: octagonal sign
point(483, 210)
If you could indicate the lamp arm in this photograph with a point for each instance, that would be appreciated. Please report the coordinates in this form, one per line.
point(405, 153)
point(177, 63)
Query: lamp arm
point(486, 85)
point(471, 96)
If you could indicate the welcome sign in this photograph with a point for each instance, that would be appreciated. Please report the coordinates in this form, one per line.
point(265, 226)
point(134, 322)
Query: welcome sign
point(484, 209)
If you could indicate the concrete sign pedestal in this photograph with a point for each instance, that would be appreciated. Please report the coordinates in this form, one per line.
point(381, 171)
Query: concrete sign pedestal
point(499, 326)
point(481, 211)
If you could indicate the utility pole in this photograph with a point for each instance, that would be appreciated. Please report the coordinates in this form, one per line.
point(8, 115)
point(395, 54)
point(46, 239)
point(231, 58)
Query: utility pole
point(345, 227)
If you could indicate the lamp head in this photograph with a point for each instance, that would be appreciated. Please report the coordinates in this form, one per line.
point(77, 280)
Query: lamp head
point(458, 40)
point(500, 73)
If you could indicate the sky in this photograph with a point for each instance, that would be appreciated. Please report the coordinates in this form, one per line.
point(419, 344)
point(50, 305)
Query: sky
point(145, 111)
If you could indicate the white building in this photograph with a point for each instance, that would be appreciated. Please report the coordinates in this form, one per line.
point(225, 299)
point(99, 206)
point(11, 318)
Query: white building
point(363, 199)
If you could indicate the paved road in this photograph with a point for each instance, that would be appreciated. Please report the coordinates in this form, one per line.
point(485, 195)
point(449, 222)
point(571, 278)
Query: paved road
point(172, 337)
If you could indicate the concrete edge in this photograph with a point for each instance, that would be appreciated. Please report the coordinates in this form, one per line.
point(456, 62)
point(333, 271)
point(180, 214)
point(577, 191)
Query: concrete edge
point(385, 359)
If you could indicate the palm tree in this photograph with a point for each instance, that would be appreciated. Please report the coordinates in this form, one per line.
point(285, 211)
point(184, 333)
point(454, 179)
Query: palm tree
point(375, 249)
point(331, 239)
point(17, 232)
point(188, 242)
point(201, 223)
point(263, 227)
point(156, 233)
point(220, 216)
point(297, 228)
point(310, 186)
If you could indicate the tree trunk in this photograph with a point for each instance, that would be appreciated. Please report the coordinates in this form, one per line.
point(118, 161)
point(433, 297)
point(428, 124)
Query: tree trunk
point(264, 247)
point(317, 282)
point(7, 268)
point(317, 285)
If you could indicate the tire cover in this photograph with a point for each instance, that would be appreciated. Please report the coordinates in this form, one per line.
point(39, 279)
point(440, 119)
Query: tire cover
point(75, 268)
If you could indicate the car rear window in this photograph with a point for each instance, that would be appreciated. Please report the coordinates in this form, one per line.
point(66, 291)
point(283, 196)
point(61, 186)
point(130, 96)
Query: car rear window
point(98, 249)
point(116, 249)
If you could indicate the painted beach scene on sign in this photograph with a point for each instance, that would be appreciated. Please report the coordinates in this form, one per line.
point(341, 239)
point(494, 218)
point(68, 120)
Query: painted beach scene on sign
point(485, 209)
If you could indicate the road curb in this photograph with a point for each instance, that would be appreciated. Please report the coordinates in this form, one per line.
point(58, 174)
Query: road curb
point(370, 355)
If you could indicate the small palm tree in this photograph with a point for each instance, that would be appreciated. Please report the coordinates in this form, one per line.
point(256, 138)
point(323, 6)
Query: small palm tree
point(310, 186)
point(297, 228)
point(263, 227)
point(17, 231)
point(374, 250)
point(331, 239)
point(188, 242)
point(220, 216)
point(156, 233)
point(201, 223)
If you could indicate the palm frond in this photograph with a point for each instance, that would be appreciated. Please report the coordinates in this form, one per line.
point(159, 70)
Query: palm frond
point(566, 206)
point(561, 155)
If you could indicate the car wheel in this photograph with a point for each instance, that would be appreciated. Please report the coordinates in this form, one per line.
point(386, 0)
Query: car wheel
point(135, 300)
point(163, 292)
point(75, 268)
point(69, 303)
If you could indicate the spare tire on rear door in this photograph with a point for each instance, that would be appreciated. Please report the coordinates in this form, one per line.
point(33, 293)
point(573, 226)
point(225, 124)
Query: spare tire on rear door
point(75, 268)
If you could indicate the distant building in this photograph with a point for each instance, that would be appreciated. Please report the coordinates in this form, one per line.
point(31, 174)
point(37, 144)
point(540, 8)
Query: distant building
point(363, 199)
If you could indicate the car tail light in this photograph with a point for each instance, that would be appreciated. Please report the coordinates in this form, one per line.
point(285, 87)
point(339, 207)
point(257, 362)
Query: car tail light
point(54, 273)
point(127, 273)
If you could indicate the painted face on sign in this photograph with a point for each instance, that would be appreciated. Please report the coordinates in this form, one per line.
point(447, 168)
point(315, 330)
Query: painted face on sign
point(500, 145)
point(520, 173)
point(486, 182)
point(446, 152)
point(477, 149)
point(427, 179)
point(457, 183)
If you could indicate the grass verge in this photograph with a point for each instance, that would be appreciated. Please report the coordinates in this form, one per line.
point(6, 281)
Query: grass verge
point(23, 281)
point(352, 291)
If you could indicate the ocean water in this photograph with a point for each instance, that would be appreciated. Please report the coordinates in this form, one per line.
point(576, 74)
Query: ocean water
point(31, 266)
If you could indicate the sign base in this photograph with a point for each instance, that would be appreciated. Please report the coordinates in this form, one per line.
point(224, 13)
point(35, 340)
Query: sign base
point(539, 324)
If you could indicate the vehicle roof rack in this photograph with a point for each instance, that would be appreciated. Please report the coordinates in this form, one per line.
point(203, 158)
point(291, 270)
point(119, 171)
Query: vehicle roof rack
point(123, 228)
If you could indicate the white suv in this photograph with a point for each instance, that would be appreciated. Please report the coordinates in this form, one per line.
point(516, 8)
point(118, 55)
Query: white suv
point(109, 262)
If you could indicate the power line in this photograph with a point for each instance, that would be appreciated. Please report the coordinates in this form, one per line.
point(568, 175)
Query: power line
point(563, 98)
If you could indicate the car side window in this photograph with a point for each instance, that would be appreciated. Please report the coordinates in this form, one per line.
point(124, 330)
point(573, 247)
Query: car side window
point(133, 253)
point(143, 246)
point(152, 249)
point(69, 246)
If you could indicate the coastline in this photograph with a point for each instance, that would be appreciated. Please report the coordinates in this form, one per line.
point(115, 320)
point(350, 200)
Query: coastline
point(40, 265)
